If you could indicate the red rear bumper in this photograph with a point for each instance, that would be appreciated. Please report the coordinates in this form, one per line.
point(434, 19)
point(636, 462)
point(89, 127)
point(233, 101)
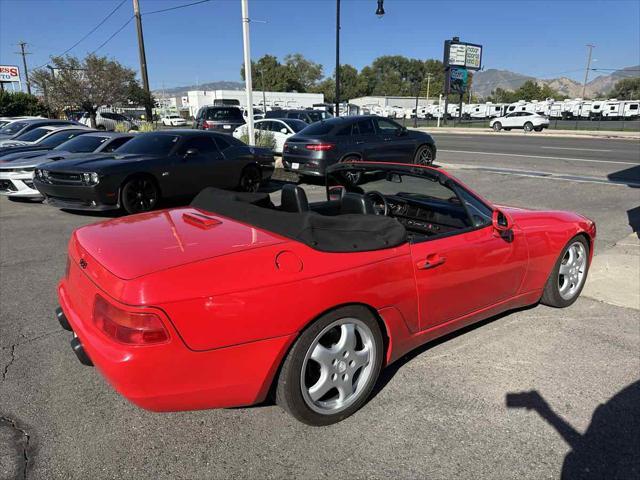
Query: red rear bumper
point(170, 376)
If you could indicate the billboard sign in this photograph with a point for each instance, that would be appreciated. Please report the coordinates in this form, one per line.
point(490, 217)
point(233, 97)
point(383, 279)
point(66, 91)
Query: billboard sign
point(462, 54)
point(9, 73)
point(458, 79)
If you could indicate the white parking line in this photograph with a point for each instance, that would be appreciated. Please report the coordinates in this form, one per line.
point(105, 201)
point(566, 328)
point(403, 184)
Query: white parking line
point(569, 159)
point(571, 148)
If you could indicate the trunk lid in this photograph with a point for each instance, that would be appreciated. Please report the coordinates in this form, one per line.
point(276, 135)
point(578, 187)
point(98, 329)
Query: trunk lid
point(137, 245)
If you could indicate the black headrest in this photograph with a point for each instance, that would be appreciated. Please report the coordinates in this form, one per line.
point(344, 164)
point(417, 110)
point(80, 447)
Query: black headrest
point(356, 203)
point(293, 199)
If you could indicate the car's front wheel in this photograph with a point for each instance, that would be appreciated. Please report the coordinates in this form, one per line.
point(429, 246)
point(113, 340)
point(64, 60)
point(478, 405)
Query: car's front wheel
point(332, 367)
point(139, 194)
point(497, 126)
point(568, 275)
point(528, 127)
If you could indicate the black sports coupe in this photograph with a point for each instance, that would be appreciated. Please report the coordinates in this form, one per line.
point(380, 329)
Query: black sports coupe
point(151, 167)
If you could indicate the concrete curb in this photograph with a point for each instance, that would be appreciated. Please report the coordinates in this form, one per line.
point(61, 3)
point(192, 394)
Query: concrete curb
point(545, 133)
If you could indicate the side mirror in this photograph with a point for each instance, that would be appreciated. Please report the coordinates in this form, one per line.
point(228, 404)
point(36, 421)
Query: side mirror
point(284, 130)
point(335, 194)
point(402, 131)
point(502, 223)
point(192, 152)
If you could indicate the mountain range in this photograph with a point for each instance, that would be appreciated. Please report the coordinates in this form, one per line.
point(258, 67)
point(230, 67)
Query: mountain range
point(487, 80)
point(484, 82)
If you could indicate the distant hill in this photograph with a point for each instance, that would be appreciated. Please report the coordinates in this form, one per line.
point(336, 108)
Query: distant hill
point(484, 82)
point(220, 85)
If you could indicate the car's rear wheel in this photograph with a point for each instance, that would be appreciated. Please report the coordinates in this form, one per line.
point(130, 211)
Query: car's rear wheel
point(497, 126)
point(332, 367)
point(250, 179)
point(424, 156)
point(528, 127)
point(568, 275)
point(538, 129)
point(139, 194)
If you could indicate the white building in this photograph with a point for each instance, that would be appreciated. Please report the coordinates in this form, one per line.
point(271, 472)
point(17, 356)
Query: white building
point(294, 100)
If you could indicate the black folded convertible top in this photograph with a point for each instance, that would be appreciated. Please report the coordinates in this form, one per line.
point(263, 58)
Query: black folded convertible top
point(340, 233)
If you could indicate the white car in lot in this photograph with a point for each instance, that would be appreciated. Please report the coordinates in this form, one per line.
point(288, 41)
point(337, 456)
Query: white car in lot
point(280, 128)
point(108, 121)
point(528, 121)
point(173, 120)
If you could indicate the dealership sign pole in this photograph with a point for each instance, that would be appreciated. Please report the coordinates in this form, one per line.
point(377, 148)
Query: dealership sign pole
point(459, 57)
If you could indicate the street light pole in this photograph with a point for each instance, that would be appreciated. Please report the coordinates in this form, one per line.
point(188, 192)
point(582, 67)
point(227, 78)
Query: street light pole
point(24, 63)
point(247, 69)
point(264, 97)
point(586, 72)
point(143, 62)
point(337, 110)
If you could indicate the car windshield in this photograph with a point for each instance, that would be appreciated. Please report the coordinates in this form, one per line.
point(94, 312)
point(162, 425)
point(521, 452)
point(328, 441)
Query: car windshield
point(150, 144)
point(295, 124)
point(56, 139)
point(33, 135)
point(224, 114)
point(316, 115)
point(13, 128)
point(82, 144)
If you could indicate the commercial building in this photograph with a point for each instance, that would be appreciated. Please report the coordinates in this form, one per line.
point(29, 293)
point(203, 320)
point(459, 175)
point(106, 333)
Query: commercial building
point(198, 98)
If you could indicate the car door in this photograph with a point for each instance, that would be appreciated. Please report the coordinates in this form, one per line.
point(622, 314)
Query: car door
point(470, 270)
point(365, 141)
point(194, 165)
point(396, 145)
point(276, 127)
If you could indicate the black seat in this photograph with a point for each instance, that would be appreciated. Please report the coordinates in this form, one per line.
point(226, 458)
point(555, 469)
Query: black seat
point(293, 199)
point(356, 203)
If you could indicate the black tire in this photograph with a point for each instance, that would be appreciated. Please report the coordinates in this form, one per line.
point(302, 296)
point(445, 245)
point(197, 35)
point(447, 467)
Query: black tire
point(354, 178)
point(551, 294)
point(424, 156)
point(289, 386)
point(528, 127)
point(497, 127)
point(250, 179)
point(538, 129)
point(139, 194)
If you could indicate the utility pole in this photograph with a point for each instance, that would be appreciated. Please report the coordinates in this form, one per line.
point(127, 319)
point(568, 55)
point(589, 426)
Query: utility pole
point(264, 97)
point(586, 71)
point(24, 54)
point(247, 69)
point(143, 62)
point(428, 84)
point(337, 112)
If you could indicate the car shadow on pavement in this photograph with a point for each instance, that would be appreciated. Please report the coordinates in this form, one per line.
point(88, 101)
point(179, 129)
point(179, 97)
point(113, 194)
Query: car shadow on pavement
point(609, 449)
point(634, 220)
point(389, 372)
point(628, 176)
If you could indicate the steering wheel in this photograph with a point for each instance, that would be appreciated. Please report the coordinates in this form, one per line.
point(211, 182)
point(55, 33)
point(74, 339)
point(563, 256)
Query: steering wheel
point(380, 205)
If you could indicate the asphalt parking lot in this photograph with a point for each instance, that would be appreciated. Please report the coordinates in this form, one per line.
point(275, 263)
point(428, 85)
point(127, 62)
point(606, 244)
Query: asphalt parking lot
point(536, 393)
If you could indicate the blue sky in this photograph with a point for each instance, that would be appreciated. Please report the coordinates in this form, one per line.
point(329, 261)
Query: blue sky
point(204, 42)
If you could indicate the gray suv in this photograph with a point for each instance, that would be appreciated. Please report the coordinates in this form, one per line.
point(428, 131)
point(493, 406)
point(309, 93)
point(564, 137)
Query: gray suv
point(221, 119)
point(365, 138)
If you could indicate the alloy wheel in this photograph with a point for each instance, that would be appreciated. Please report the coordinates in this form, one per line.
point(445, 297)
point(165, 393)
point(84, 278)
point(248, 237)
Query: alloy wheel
point(140, 195)
point(338, 366)
point(572, 270)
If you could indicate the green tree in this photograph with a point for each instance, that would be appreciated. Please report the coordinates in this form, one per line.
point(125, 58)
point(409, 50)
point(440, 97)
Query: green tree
point(627, 89)
point(302, 73)
point(17, 104)
point(88, 84)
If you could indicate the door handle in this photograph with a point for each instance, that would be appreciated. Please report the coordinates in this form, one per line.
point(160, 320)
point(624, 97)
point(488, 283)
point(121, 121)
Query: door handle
point(360, 142)
point(432, 261)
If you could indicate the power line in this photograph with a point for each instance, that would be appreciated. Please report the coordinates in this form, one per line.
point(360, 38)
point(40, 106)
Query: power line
point(90, 32)
point(177, 7)
point(113, 34)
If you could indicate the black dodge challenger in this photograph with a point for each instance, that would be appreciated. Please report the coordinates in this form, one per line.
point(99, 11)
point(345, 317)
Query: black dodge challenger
point(151, 167)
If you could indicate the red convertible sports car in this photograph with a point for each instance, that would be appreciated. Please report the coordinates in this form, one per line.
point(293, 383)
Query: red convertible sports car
point(231, 299)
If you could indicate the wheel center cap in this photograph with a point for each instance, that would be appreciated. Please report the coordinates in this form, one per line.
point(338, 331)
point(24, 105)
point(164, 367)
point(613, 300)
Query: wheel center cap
point(342, 366)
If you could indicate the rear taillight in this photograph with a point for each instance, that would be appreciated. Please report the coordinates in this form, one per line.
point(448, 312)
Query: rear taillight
point(206, 125)
point(133, 328)
point(319, 147)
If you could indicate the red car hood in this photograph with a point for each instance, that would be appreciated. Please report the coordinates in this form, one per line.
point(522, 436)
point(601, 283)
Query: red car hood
point(137, 245)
